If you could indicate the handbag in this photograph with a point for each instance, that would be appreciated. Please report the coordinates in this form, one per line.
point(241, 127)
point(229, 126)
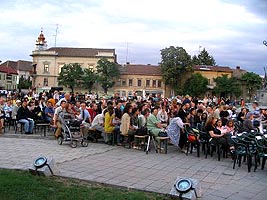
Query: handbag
point(163, 134)
point(191, 138)
point(141, 131)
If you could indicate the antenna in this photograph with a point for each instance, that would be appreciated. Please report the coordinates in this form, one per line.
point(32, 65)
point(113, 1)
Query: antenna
point(126, 53)
point(56, 35)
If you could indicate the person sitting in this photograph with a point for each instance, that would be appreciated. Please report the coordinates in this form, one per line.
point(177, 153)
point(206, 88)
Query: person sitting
point(110, 127)
point(15, 109)
point(217, 137)
point(220, 127)
point(230, 126)
point(174, 129)
point(85, 118)
point(92, 110)
point(38, 114)
point(127, 128)
point(24, 117)
point(264, 118)
point(162, 115)
point(2, 114)
point(98, 123)
point(248, 123)
point(153, 124)
point(56, 121)
point(8, 111)
point(142, 118)
point(242, 115)
point(49, 112)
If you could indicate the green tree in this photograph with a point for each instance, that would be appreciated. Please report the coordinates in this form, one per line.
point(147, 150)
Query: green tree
point(24, 83)
point(175, 62)
point(107, 71)
point(227, 86)
point(203, 58)
point(196, 85)
point(252, 82)
point(71, 75)
point(206, 59)
point(88, 79)
point(195, 60)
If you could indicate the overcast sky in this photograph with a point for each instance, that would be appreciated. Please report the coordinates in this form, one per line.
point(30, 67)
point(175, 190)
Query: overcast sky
point(232, 31)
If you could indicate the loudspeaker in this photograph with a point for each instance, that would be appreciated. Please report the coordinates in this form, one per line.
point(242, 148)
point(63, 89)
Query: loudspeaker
point(43, 166)
point(186, 189)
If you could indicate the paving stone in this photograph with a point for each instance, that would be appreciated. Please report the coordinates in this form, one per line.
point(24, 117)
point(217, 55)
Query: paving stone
point(134, 169)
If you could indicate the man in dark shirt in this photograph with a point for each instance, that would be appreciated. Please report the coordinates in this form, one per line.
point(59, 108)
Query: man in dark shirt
point(24, 117)
point(118, 111)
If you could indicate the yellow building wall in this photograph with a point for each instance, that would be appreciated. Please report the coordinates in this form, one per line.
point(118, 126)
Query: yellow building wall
point(126, 90)
point(55, 63)
point(210, 75)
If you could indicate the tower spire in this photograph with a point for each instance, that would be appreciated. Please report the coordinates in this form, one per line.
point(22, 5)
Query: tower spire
point(41, 42)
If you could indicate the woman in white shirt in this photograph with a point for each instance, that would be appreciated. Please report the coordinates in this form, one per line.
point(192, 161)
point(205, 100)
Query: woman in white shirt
point(162, 115)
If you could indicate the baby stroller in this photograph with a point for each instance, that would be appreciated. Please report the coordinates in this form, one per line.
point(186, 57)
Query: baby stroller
point(70, 131)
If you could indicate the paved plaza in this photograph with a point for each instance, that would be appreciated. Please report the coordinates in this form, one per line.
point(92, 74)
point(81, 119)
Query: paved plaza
point(132, 168)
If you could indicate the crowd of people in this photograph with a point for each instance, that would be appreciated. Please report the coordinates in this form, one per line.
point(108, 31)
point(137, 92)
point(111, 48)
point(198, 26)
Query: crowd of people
point(125, 118)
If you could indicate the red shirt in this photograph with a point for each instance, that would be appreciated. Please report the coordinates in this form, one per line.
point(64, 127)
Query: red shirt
point(92, 113)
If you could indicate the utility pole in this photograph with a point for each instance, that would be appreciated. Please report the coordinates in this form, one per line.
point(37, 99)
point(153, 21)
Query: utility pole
point(126, 53)
point(56, 35)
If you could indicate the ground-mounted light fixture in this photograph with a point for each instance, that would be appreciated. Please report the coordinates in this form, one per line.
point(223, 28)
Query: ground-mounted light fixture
point(183, 185)
point(186, 189)
point(40, 162)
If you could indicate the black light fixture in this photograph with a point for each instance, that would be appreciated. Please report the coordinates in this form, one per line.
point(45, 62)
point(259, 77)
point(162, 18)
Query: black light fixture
point(183, 185)
point(40, 162)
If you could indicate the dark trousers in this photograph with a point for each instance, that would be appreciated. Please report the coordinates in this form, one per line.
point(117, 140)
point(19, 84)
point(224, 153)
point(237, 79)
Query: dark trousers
point(183, 139)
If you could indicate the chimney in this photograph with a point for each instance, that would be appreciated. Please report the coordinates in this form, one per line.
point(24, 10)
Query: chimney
point(238, 67)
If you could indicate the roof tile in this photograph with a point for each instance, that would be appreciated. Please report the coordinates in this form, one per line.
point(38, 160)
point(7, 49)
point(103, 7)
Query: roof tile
point(154, 70)
point(80, 52)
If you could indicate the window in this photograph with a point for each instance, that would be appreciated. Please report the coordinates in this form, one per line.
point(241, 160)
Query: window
point(147, 83)
point(9, 78)
point(154, 83)
point(130, 82)
point(159, 83)
point(45, 81)
point(123, 83)
point(46, 68)
point(139, 83)
point(60, 67)
point(0, 76)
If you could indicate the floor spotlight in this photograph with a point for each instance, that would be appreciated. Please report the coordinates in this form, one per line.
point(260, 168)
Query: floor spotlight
point(186, 189)
point(43, 166)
